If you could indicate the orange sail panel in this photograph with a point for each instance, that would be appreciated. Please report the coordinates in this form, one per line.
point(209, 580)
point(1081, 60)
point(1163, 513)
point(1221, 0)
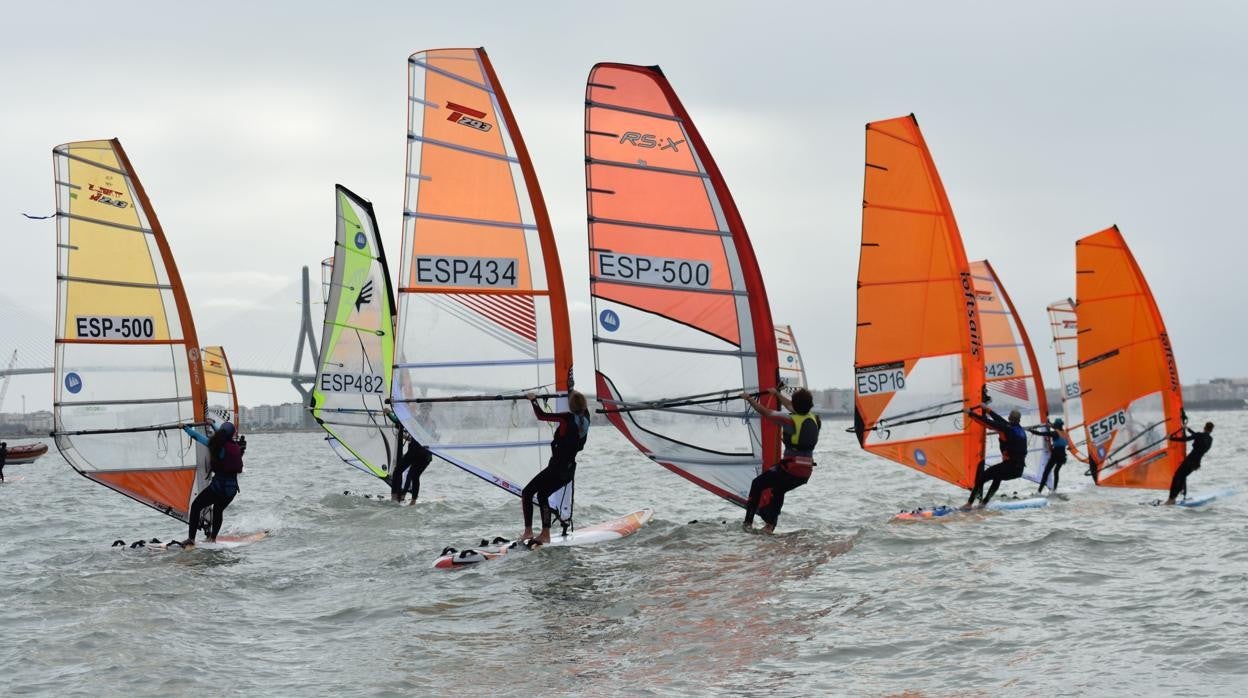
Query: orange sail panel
point(1011, 374)
point(681, 321)
point(482, 318)
point(128, 364)
point(1132, 400)
point(919, 355)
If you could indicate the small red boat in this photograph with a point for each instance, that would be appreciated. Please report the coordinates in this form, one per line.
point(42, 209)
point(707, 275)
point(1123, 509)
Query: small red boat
point(25, 453)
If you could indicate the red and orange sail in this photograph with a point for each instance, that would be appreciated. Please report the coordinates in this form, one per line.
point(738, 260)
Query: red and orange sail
point(919, 354)
point(128, 364)
point(681, 320)
point(1131, 397)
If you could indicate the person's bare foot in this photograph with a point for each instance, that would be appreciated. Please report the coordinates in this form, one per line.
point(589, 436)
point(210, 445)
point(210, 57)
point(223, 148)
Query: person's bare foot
point(528, 533)
point(1169, 502)
point(747, 527)
point(544, 536)
point(769, 528)
point(188, 543)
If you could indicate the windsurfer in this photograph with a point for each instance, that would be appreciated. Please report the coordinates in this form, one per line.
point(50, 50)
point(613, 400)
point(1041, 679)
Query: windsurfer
point(569, 439)
point(800, 430)
point(411, 465)
point(1202, 441)
point(1014, 453)
point(225, 457)
point(4, 456)
point(1055, 432)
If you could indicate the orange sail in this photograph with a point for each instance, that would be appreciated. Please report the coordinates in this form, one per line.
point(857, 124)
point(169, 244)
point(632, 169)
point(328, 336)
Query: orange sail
point(1132, 400)
point(1011, 375)
point(919, 356)
point(482, 314)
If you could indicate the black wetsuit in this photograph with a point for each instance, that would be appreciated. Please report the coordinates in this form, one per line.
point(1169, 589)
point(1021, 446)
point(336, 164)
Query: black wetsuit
point(226, 464)
point(1201, 443)
point(412, 464)
point(4, 456)
point(1057, 455)
point(569, 439)
point(1014, 456)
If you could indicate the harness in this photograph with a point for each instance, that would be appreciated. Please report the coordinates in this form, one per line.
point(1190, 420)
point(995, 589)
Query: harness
point(799, 444)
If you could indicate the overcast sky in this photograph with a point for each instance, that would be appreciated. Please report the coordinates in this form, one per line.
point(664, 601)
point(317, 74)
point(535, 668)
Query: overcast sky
point(1048, 121)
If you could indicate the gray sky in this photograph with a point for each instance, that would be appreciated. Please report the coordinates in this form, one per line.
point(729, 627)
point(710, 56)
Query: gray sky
point(1048, 121)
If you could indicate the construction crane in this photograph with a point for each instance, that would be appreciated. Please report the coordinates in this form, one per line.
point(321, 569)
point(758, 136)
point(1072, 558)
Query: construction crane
point(4, 387)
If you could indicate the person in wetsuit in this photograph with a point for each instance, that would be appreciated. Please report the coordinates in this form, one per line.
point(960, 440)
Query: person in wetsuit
point(406, 475)
point(4, 456)
point(1201, 443)
point(800, 430)
point(225, 458)
point(1014, 453)
point(411, 465)
point(1055, 432)
point(569, 439)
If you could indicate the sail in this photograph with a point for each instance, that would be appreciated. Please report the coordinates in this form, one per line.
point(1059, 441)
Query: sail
point(919, 356)
point(482, 314)
point(1131, 396)
point(127, 360)
point(1011, 374)
point(682, 324)
point(354, 371)
point(1065, 329)
point(792, 370)
point(222, 405)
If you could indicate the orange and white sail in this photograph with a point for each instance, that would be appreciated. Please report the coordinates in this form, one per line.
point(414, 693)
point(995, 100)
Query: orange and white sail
point(789, 358)
point(128, 367)
point(681, 321)
point(919, 353)
point(219, 386)
point(1128, 381)
point(1063, 324)
point(1011, 373)
point(482, 317)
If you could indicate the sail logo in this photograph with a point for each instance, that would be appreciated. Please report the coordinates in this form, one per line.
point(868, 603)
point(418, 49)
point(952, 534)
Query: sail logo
point(1174, 372)
point(920, 457)
point(108, 196)
point(1105, 427)
point(467, 116)
point(790, 359)
point(361, 240)
point(73, 382)
point(972, 312)
point(649, 140)
point(609, 319)
point(365, 297)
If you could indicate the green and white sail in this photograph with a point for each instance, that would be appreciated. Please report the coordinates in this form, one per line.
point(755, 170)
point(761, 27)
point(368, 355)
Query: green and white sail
point(357, 343)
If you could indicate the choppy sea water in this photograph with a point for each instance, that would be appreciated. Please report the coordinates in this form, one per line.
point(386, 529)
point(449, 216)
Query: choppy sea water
point(1093, 595)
